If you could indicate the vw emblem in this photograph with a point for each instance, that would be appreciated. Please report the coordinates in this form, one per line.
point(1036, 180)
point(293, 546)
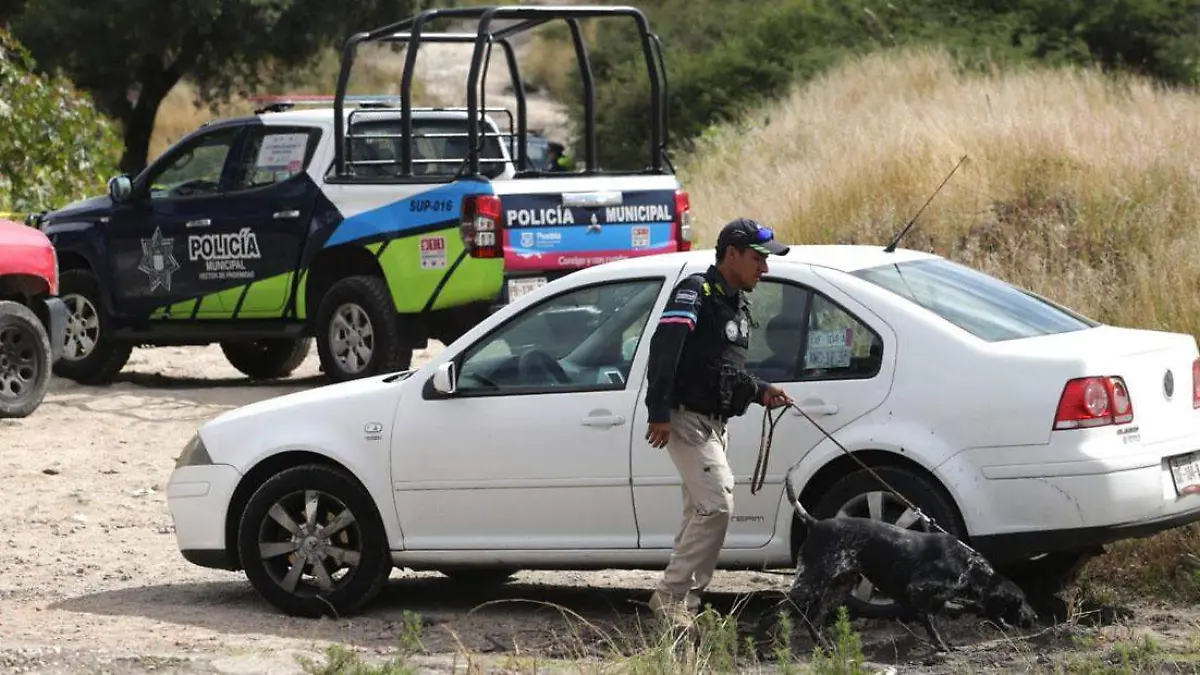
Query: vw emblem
point(1169, 384)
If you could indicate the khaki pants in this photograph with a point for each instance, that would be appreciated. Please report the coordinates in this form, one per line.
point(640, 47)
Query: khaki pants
point(697, 447)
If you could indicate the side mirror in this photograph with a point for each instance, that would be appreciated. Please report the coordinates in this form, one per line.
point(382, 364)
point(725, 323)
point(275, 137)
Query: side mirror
point(120, 188)
point(445, 379)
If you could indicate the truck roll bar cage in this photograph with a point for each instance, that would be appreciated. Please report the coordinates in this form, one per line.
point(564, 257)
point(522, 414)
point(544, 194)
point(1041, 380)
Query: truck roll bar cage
point(412, 32)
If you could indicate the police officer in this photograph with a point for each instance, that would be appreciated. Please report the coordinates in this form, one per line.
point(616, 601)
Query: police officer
point(696, 381)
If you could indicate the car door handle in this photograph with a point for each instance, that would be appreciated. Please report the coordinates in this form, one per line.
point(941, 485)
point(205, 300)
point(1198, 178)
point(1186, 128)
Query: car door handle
point(202, 222)
point(603, 420)
point(816, 409)
point(279, 215)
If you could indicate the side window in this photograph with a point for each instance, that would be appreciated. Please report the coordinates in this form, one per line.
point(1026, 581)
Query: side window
point(779, 310)
point(194, 170)
point(838, 345)
point(583, 339)
point(274, 155)
point(802, 335)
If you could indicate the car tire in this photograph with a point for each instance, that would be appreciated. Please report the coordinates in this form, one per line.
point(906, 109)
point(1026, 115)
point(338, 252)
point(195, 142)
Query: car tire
point(24, 361)
point(358, 330)
point(268, 547)
point(482, 576)
point(90, 354)
point(854, 495)
point(266, 359)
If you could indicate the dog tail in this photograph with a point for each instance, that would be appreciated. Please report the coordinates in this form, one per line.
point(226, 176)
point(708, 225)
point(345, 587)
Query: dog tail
point(791, 493)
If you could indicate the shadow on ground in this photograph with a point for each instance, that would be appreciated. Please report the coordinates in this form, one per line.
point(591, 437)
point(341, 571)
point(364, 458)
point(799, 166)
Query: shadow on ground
point(553, 621)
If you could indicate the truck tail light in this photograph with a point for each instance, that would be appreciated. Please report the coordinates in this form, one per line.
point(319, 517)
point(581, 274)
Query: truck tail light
point(481, 225)
point(1196, 383)
point(683, 220)
point(1089, 402)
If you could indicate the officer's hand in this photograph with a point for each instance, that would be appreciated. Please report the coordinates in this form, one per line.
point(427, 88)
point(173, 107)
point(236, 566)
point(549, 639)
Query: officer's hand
point(658, 433)
point(775, 397)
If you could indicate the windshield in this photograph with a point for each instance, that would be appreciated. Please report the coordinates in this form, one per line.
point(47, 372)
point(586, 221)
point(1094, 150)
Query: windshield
point(980, 304)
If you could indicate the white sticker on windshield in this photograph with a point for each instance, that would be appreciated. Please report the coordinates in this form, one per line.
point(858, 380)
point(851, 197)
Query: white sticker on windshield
point(282, 152)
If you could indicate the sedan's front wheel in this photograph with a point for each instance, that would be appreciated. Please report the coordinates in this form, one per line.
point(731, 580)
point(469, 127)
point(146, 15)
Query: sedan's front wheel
point(312, 543)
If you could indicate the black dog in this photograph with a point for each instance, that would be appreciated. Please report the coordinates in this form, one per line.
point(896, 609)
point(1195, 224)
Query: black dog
point(919, 570)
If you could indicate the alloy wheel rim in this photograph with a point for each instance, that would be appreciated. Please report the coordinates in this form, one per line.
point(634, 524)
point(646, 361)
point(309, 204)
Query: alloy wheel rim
point(351, 338)
point(83, 327)
point(885, 507)
point(310, 542)
point(18, 363)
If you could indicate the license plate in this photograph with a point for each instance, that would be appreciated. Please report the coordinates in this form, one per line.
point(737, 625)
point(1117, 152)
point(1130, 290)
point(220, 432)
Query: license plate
point(520, 287)
point(1185, 470)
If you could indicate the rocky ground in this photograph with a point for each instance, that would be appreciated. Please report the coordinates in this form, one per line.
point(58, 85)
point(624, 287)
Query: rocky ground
point(91, 580)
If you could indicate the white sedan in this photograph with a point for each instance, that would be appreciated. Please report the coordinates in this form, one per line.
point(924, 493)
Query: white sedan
point(1013, 422)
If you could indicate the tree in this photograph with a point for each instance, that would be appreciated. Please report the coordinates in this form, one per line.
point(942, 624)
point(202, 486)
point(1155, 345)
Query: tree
point(56, 147)
point(129, 54)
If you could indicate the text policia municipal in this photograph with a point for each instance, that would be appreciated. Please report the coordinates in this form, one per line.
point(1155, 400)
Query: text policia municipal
point(224, 252)
point(640, 213)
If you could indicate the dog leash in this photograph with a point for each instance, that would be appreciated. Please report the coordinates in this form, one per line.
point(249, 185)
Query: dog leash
point(764, 453)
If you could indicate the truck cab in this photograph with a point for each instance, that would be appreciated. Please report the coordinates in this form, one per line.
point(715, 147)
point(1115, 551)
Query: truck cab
point(360, 222)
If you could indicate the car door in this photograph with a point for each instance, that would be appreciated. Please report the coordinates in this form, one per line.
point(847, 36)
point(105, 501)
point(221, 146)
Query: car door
point(271, 201)
point(151, 236)
point(831, 355)
point(532, 451)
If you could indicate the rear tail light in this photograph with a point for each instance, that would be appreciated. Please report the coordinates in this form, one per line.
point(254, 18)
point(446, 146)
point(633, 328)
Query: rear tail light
point(1196, 383)
point(683, 220)
point(481, 225)
point(1089, 402)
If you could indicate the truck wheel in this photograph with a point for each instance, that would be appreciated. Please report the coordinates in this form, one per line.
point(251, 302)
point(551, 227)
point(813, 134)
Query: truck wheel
point(266, 359)
point(24, 360)
point(90, 354)
point(358, 331)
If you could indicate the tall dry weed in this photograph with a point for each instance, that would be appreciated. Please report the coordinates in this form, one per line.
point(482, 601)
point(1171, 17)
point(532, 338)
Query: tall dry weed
point(1078, 185)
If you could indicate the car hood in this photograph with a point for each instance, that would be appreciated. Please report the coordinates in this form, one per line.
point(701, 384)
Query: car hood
point(18, 234)
point(81, 207)
point(321, 402)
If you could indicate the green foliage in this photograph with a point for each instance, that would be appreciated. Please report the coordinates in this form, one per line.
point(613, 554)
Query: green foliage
point(726, 57)
point(846, 656)
point(56, 146)
point(342, 661)
point(129, 53)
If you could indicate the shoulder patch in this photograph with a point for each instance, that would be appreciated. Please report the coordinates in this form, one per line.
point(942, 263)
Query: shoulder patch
point(687, 296)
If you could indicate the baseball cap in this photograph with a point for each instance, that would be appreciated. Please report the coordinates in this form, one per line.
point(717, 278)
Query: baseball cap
point(744, 232)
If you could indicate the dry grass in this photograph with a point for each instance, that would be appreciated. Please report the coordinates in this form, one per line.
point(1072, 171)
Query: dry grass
point(377, 70)
point(1079, 186)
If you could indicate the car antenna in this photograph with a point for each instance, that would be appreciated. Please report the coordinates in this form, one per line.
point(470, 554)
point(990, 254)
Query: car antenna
point(891, 248)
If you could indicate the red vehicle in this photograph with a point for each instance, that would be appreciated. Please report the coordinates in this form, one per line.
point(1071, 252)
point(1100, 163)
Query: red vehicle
point(33, 320)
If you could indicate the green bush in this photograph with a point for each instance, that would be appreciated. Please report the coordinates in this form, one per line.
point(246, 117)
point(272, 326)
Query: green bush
point(55, 146)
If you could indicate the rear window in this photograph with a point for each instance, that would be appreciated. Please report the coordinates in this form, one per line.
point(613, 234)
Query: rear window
point(980, 304)
point(439, 148)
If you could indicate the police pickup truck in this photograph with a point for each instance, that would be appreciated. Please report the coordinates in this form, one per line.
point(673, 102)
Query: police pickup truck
point(264, 232)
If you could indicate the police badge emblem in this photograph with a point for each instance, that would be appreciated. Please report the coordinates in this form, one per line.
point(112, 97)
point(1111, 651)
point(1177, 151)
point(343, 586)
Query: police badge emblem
point(731, 330)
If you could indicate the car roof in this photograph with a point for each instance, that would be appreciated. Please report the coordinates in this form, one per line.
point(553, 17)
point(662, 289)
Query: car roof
point(839, 257)
point(325, 115)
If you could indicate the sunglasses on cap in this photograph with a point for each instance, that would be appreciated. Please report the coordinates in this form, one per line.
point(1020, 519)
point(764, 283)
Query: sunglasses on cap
point(761, 238)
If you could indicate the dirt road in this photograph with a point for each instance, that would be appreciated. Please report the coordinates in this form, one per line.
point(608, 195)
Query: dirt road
point(91, 580)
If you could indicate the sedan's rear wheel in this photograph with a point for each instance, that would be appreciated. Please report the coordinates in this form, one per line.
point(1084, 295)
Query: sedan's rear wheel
point(312, 543)
point(861, 495)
